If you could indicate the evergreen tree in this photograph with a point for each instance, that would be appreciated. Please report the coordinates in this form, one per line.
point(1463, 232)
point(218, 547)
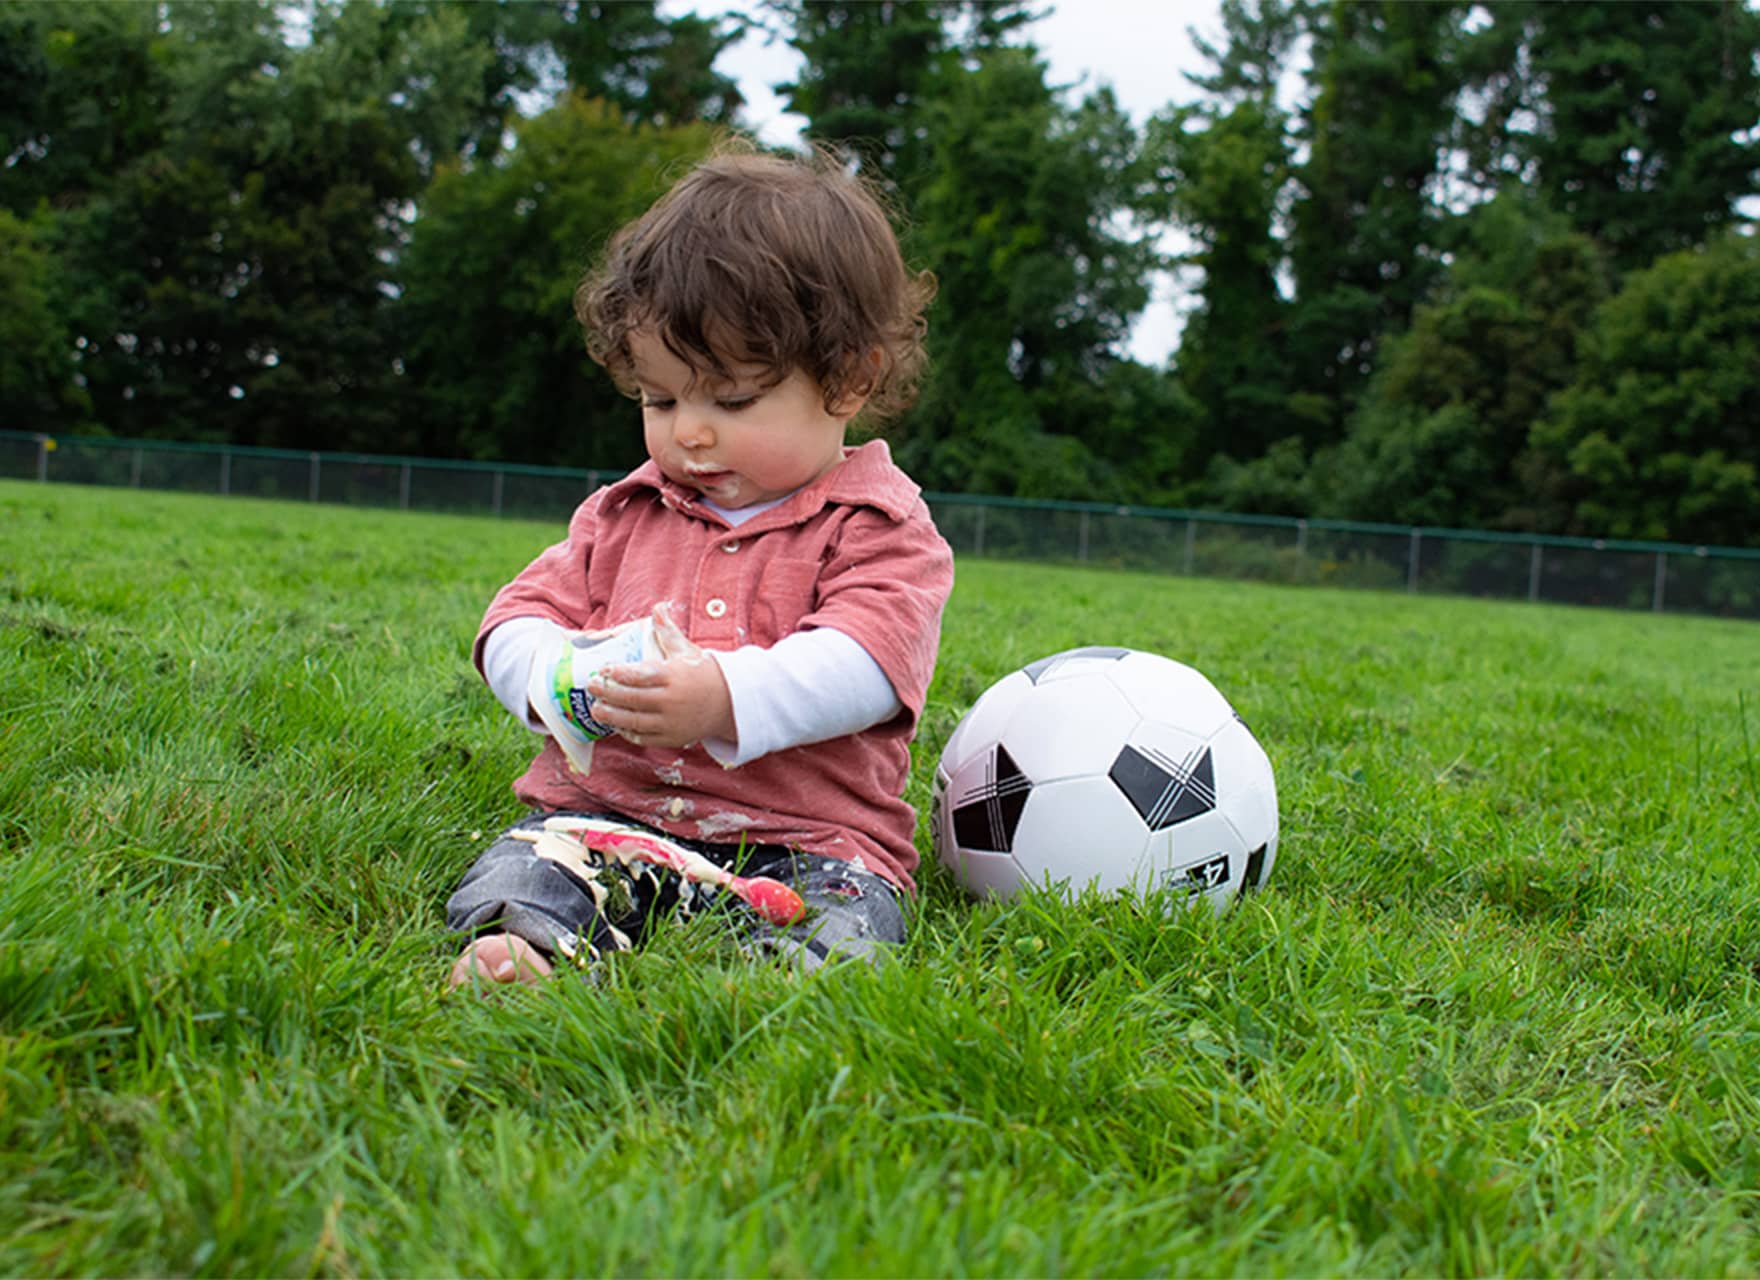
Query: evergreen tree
point(498, 251)
point(1039, 283)
point(84, 93)
point(1017, 202)
point(1224, 166)
point(868, 70)
point(1655, 437)
point(1640, 116)
point(229, 207)
point(231, 280)
point(1442, 435)
point(1368, 229)
point(653, 69)
point(38, 386)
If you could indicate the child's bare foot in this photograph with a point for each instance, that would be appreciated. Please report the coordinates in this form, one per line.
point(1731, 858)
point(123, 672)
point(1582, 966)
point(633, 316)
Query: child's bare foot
point(500, 957)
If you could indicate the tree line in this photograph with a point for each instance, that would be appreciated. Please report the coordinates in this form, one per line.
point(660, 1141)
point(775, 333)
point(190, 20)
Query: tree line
point(1448, 263)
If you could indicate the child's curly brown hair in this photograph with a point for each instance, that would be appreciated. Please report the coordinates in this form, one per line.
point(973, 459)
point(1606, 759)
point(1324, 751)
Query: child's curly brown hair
point(787, 262)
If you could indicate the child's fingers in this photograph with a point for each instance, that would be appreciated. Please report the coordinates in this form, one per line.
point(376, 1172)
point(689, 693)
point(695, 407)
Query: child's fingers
point(631, 675)
point(642, 726)
point(646, 695)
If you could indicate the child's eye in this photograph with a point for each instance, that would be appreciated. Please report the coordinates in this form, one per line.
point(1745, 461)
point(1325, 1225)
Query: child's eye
point(656, 402)
point(733, 404)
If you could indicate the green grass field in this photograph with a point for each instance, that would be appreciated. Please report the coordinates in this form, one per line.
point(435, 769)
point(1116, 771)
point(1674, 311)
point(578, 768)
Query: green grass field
point(1496, 1012)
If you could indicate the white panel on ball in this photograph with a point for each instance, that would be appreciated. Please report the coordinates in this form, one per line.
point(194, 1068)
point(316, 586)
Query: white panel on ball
point(983, 724)
point(1068, 728)
point(1246, 784)
point(1236, 745)
point(988, 875)
point(1157, 685)
point(1082, 832)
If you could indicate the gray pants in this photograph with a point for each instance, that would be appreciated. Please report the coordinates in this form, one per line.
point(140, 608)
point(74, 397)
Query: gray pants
point(511, 889)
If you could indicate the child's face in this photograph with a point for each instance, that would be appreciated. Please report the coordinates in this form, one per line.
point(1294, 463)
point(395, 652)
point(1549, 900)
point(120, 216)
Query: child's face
point(737, 443)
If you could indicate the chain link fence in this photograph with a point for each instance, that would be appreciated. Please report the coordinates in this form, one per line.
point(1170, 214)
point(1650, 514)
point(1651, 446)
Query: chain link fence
point(1657, 576)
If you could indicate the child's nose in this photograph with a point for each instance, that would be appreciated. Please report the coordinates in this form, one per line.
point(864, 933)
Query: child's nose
point(692, 430)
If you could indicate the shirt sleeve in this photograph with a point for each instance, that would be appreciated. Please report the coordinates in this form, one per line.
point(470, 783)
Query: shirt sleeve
point(508, 652)
point(885, 586)
point(551, 585)
point(811, 686)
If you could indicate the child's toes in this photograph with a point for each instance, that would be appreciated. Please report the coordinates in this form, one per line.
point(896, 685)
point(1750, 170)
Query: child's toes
point(499, 958)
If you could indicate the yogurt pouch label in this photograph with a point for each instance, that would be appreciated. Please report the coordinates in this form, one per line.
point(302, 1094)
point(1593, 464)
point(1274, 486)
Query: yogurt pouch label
point(589, 655)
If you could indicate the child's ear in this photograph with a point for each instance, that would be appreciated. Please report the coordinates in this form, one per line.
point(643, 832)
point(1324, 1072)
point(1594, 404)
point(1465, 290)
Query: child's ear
point(865, 370)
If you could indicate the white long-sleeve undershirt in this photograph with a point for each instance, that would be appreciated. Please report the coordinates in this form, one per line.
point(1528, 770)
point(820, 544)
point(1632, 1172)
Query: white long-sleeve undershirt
point(808, 687)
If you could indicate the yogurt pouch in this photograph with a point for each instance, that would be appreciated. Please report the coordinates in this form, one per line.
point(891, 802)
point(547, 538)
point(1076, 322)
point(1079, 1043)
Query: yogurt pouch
point(557, 690)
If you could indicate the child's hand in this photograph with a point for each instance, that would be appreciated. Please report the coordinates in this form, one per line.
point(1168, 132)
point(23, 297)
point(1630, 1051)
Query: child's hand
point(674, 701)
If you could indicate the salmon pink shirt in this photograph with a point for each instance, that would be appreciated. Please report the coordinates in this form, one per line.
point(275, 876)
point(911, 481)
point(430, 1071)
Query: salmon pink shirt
point(855, 550)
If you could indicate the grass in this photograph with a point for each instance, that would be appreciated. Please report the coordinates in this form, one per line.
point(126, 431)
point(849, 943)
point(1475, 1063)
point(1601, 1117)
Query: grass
point(1496, 1012)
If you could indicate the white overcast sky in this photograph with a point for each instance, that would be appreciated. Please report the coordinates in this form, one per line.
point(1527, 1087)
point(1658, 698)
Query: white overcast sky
point(1139, 47)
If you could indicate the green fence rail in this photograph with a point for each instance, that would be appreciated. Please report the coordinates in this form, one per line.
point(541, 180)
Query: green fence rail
point(1658, 576)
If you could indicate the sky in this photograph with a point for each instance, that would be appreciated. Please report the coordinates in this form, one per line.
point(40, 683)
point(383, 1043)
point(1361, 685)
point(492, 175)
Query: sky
point(1139, 47)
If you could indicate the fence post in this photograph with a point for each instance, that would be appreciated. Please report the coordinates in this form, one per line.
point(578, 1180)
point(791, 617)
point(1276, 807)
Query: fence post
point(403, 489)
point(44, 445)
point(978, 536)
point(1082, 538)
point(1661, 582)
point(1412, 562)
point(1301, 537)
point(225, 472)
point(312, 488)
point(1534, 574)
point(495, 490)
point(1191, 537)
point(134, 470)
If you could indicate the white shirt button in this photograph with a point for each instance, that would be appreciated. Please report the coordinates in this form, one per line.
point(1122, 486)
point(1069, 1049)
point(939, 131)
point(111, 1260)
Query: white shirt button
point(716, 607)
point(730, 547)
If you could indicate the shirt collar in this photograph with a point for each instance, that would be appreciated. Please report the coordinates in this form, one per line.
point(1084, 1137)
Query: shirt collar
point(865, 477)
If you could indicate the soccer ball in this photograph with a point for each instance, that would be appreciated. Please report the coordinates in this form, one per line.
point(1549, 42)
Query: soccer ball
point(1106, 768)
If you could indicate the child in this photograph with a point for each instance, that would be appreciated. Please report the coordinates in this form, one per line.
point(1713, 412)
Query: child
point(794, 587)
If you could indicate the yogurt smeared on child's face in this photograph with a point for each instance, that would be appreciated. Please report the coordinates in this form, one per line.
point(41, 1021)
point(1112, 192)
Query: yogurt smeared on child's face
point(737, 443)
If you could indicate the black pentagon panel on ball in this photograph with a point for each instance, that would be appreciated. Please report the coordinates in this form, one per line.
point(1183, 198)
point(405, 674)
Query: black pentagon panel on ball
point(1163, 790)
point(1034, 670)
point(1255, 873)
point(985, 817)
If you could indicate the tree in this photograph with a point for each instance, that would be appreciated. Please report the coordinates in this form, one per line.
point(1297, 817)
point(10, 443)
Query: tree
point(495, 366)
point(869, 70)
point(1224, 168)
point(38, 386)
point(1039, 282)
point(1655, 437)
point(1021, 205)
point(1442, 435)
point(231, 208)
point(84, 91)
point(514, 59)
point(230, 279)
point(1642, 116)
point(653, 69)
point(1367, 230)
